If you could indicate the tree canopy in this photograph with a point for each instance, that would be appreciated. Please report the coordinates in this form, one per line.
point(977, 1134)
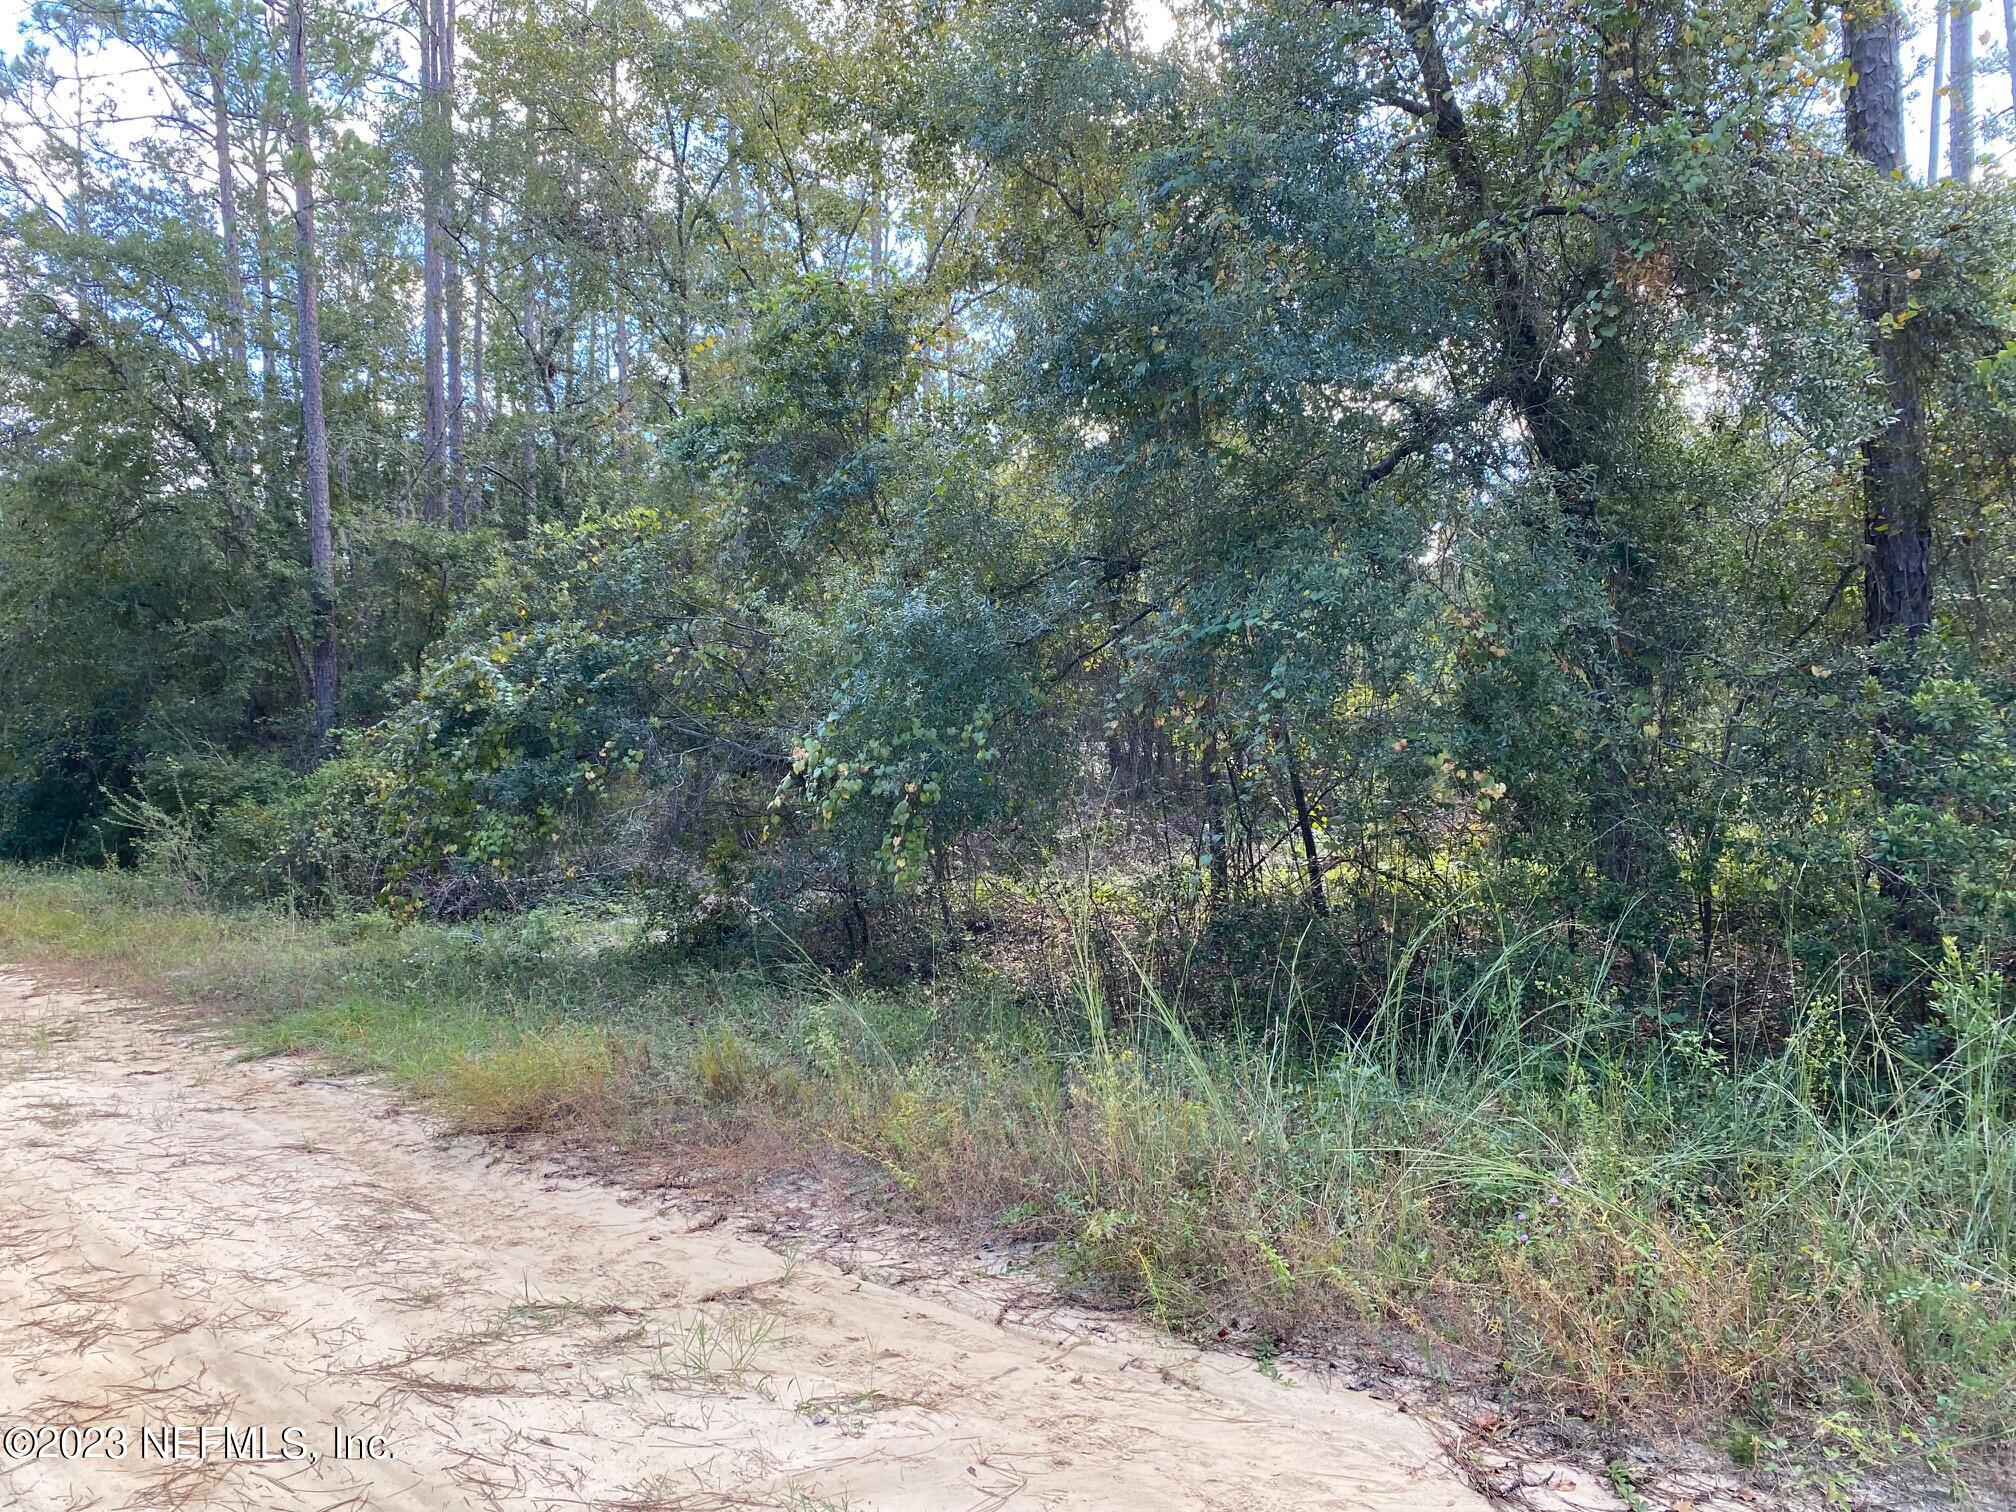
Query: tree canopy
point(833, 465)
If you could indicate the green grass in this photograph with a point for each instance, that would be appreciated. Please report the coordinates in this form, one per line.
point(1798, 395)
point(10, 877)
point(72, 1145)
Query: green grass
point(1810, 1256)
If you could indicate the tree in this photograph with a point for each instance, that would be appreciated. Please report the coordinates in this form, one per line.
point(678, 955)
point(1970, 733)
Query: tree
point(308, 367)
point(216, 64)
point(1388, 450)
point(2009, 44)
point(435, 50)
point(1961, 93)
point(1897, 581)
point(451, 274)
point(1932, 169)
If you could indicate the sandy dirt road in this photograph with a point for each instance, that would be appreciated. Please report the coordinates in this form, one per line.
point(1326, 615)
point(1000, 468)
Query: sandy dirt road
point(186, 1240)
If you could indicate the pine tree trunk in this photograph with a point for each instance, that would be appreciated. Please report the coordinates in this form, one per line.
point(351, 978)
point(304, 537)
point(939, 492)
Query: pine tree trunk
point(620, 343)
point(594, 378)
point(477, 487)
point(683, 358)
point(1960, 121)
point(433, 416)
point(458, 483)
point(308, 363)
point(528, 456)
point(269, 340)
point(1938, 92)
point(622, 391)
point(2009, 41)
point(235, 338)
point(1897, 578)
point(1896, 499)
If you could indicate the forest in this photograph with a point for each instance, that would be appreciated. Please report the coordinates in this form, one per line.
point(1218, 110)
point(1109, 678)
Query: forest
point(1251, 640)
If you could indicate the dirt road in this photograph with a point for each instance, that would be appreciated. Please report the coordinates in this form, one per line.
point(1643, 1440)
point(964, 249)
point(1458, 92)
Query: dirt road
point(189, 1241)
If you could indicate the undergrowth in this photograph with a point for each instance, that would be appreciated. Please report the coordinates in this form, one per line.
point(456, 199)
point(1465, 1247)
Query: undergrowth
point(1814, 1245)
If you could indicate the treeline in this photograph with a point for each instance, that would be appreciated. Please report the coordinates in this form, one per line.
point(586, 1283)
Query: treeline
point(828, 468)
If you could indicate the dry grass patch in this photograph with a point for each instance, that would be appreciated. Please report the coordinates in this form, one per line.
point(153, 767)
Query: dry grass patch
point(561, 1076)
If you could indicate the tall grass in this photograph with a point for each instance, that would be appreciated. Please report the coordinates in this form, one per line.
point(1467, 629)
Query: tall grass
point(1529, 1183)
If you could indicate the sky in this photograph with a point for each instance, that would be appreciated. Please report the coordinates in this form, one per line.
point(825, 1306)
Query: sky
point(1154, 23)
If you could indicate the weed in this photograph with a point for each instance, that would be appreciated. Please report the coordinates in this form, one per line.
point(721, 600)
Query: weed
point(723, 1064)
point(1810, 1242)
point(543, 1079)
point(1626, 1488)
point(801, 1498)
point(705, 1349)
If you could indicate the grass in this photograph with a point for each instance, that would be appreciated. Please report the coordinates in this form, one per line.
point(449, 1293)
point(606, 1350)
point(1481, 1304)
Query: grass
point(1809, 1256)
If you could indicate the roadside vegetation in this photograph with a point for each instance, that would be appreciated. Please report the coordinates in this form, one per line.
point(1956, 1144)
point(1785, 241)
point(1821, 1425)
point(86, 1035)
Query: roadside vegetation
point(1810, 1263)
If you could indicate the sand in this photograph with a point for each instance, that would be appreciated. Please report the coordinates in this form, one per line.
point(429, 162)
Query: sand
point(187, 1240)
